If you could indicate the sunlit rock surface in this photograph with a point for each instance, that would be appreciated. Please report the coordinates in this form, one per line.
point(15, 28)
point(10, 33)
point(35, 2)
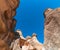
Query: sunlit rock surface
point(52, 29)
point(8, 39)
point(51, 34)
point(28, 43)
point(7, 23)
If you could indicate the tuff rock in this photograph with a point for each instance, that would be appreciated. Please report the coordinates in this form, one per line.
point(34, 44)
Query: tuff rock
point(8, 39)
point(29, 43)
point(7, 23)
point(52, 29)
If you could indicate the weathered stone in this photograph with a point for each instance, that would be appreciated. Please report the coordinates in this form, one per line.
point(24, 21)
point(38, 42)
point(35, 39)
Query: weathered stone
point(7, 23)
point(29, 43)
point(3, 45)
point(52, 29)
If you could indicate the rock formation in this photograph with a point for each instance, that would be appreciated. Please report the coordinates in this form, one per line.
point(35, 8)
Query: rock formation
point(3, 45)
point(7, 23)
point(7, 34)
point(29, 43)
point(52, 29)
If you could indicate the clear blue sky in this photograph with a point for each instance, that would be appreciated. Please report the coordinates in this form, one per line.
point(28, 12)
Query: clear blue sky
point(30, 16)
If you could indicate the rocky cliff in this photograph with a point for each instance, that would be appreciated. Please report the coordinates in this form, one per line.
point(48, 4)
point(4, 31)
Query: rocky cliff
point(7, 23)
point(8, 39)
point(52, 29)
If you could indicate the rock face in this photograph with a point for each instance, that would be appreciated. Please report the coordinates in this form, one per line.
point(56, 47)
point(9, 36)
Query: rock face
point(7, 34)
point(29, 43)
point(7, 23)
point(3, 45)
point(52, 29)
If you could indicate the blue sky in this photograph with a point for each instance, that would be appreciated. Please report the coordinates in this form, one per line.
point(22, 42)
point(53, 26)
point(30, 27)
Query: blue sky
point(30, 18)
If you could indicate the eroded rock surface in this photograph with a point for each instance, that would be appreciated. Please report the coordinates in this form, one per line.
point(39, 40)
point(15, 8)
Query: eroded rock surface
point(52, 29)
point(7, 34)
point(28, 43)
point(7, 23)
point(3, 45)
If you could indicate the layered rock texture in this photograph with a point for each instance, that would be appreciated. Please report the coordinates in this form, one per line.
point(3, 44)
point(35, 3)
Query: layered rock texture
point(52, 29)
point(3, 45)
point(7, 23)
point(8, 39)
